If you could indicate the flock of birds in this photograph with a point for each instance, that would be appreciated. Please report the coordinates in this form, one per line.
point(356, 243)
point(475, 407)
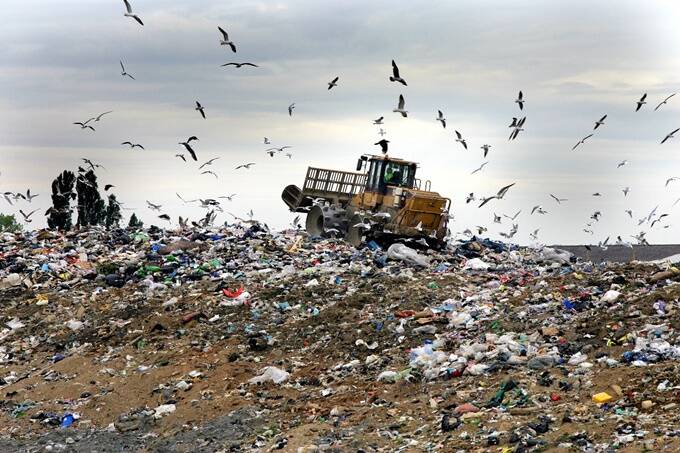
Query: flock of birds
point(516, 126)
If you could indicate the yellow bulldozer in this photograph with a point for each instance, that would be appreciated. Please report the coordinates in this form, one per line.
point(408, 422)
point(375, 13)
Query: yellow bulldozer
point(382, 201)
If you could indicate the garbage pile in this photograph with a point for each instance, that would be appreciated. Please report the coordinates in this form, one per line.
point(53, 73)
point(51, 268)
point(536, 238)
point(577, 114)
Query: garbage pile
point(240, 339)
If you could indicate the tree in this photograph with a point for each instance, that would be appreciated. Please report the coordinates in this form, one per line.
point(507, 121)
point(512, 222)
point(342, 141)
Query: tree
point(9, 224)
point(113, 215)
point(91, 207)
point(62, 194)
point(135, 222)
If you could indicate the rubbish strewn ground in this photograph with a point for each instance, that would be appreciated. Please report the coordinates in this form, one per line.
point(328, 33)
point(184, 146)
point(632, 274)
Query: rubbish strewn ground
point(236, 339)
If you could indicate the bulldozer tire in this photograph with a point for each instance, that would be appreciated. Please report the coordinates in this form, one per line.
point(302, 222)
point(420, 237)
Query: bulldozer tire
point(326, 221)
point(355, 234)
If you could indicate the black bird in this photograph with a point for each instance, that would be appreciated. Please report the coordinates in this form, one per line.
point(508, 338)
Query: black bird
point(189, 148)
point(200, 108)
point(333, 83)
point(133, 145)
point(108, 186)
point(641, 102)
point(383, 145)
point(395, 75)
point(600, 122)
point(520, 100)
point(238, 65)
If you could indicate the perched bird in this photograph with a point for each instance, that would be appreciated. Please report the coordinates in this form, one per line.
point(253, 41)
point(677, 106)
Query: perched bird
point(486, 149)
point(520, 100)
point(153, 207)
point(27, 217)
point(290, 109)
point(664, 101)
point(558, 200)
point(625, 191)
point(379, 120)
point(246, 166)
point(238, 65)
point(383, 145)
point(124, 73)
point(209, 172)
point(600, 122)
point(441, 119)
point(400, 107)
point(670, 135)
point(622, 163)
point(200, 108)
point(539, 209)
point(131, 14)
point(641, 102)
point(460, 139)
point(225, 40)
point(395, 77)
point(85, 125)
point(108, 186)
point(480, 168)
point(209, 162)
point(582, 141)
point(133, 145)
point(333, 83)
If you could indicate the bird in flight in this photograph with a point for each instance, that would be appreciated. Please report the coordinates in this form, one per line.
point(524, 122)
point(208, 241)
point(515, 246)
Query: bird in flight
point(622, 163)
point(333, 83)
point(92, 165)
point(99, 117)
point(534, 235)
point(108, 186)
point(279, 150)
point(129, 13)
point(539, 209)
point(124, 73)
point(206, 172)
point(153, 207)
point(513, 217)
point(671, 179)
point(517, 127)
point(558, 200)
point(599, 122)
point(379, 121)
point(238, 65)
point(181, 156)
point(520, 100)
point(225, 40)
point(499, 195)
point(266, 141)
point(441, 119)
point(189, 148)
point(400, 107)
point(395, 77)
point(480, 168)
point(290, 109)
point(460, 139)
point(209, 162)
point(228, 197)
point(629, 212)
point(486, 149)
point(85, 125)
point(641, 102)
point(582, 141)
point(200, 108)
point(470, 197)
point(246, 166)
point(670, 135)
point(383, 145)
point(27, 217)
point(382, 132)
point(625, 191)
point(133, 145)
point(664, 101)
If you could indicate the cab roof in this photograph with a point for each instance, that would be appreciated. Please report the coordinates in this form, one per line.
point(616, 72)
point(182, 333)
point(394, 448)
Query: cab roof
point(385, 157)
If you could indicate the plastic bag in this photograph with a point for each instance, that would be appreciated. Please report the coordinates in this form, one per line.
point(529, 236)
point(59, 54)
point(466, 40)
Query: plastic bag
point(270, 373)
point(401, 252)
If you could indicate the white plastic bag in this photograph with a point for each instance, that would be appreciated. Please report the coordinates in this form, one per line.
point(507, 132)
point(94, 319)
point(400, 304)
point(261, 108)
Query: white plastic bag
point(401, 252)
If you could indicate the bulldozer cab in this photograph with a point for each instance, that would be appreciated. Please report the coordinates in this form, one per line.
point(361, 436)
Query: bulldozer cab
point(383, 172)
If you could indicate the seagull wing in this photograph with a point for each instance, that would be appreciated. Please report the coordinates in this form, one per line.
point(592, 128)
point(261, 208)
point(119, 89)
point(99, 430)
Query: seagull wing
point(138, 20)
point(224, 33)
point(127, 6)
point(395, 70)
point(233, 47)
point(485, 201)
point(401, 101)
point(458, 134)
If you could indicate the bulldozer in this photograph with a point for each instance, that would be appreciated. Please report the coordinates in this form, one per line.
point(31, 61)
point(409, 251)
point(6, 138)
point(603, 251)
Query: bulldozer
point(382, 201)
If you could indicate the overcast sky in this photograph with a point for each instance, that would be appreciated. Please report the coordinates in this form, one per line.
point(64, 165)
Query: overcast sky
point(574, 60)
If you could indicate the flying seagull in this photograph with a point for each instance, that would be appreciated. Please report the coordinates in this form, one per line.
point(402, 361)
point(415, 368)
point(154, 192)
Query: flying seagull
point(279, 150)
point(622, 163)
point(246, 166)
point(333, 83)
point(27, 217)
point(670, 135)
point(383, 145)
point(441, 119)
point(209, 162)
point(664, 101)
point(85, 125)
point(206, 172)
point(107, 187)
point(153, 207)
point(225, 40)
point(460, 139)
point(499, 195)
point(164, 217)
point(539, 209)
point(629, 212)
point(124, 73)
point(514, 122)
point(133, 145)
point(290, 109)
point(558, 200)
point(99, 117)
point(625, 191)
point(480, 168)
point(238, 65)
point(582, 141)
point(513, 217)
point(228, 197)
point(200, 108)
point(517, 127)
point(486, 149)
point(534, 235)
point(181, 156)
point(379, 120)
point(671, 179)
point(599, 122)
point(382, 132)
point(400, 107)
point(266, 141)
point(189, 148)
point(131, 14)
point(641, 102)
point(470, 197)
point(395, 77)
point(520, 100)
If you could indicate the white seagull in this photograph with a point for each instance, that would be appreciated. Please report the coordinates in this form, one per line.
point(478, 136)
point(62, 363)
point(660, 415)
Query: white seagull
point(131, 14)
point(441, 118)
point(520, 100)
point(225, 39)
point(400, 107)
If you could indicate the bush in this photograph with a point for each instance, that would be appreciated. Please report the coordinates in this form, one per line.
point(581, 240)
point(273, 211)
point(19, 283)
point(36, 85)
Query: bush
point(9, 224)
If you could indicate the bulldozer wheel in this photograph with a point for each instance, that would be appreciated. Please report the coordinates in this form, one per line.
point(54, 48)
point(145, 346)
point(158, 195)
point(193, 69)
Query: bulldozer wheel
point(326, 221)
point(354, 234)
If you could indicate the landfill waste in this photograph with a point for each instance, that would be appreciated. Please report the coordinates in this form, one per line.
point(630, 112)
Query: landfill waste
point(236, 338)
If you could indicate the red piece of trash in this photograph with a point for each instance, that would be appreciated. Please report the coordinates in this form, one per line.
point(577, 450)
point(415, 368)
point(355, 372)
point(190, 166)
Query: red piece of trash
point(232, 294)
point(555, 397)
